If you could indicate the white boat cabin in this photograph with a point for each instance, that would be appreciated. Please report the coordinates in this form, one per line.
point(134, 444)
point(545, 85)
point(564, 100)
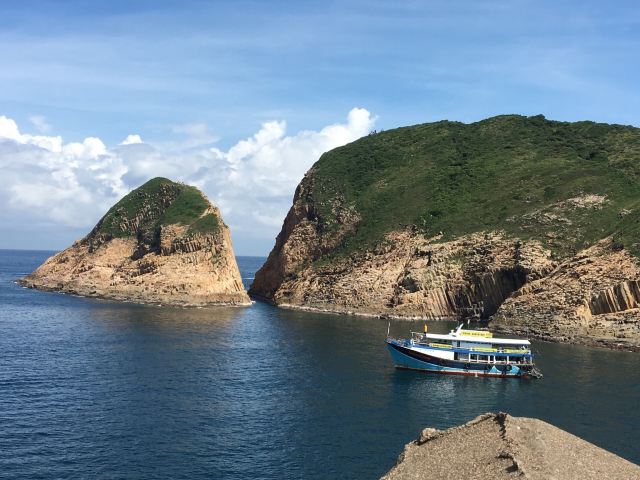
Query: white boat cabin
point(474, 346)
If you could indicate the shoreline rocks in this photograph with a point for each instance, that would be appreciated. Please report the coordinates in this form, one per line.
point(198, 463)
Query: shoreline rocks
point(514, 285)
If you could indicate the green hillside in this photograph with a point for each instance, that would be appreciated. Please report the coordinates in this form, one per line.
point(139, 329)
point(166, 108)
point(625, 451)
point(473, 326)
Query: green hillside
point(528, 176)
point(158, 202)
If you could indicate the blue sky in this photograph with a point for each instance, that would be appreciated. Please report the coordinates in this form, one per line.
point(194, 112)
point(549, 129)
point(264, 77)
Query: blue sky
point(196, 77)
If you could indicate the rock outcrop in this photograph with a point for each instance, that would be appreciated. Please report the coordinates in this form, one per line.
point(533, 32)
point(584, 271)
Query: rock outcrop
point(162, 243)
point(590, 298)
point(409, 276)
point(527, 223)
point(499, 446)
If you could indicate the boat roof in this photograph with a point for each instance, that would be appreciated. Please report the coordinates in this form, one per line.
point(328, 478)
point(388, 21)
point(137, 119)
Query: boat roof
point(473, 339)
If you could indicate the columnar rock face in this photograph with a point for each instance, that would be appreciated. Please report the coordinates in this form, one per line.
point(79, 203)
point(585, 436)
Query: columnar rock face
point(499, 446)
point(528, 223)
point(162, 243)
point(412, 276)
point(588, 298)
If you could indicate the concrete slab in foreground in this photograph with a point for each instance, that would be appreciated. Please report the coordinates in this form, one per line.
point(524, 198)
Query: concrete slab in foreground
point(499, 446)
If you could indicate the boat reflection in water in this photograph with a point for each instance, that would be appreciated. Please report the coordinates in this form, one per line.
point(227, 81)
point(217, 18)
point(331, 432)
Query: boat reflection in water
point(464, 352)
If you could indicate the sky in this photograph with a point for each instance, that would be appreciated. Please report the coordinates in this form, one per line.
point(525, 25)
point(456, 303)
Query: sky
point(240, 98)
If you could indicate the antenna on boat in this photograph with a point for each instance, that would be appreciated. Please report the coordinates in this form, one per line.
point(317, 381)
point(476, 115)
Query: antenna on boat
point(459, 326)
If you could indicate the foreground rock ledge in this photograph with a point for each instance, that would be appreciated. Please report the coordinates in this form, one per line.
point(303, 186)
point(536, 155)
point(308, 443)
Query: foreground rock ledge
point(162, 243)
point(497, 446)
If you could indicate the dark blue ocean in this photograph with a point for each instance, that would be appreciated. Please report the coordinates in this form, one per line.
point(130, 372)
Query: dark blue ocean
point(97, 389)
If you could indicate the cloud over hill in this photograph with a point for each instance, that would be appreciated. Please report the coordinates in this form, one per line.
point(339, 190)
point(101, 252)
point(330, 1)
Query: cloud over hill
point(54, 183)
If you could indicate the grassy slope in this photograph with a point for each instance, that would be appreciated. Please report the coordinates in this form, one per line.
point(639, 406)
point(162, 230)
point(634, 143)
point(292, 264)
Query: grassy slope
point(460, 178)
point(186, 209)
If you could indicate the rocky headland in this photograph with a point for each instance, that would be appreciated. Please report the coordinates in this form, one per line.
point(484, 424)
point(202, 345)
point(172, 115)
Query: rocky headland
point(499, 446)
point(162, 243)
point(529, 224)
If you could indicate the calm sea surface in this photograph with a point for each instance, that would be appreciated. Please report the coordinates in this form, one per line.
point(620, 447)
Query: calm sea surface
point(96, 389)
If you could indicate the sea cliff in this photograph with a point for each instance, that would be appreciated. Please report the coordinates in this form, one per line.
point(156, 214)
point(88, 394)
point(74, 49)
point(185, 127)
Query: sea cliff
point(162, 243)
point(528, 223)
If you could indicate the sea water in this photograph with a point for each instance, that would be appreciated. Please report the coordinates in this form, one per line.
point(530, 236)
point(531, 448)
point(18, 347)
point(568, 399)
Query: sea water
point(98, 389)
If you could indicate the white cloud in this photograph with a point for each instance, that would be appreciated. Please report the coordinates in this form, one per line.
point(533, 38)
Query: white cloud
point(131, 139)
point(40, 123)
point(72, 184)
point(9, 129)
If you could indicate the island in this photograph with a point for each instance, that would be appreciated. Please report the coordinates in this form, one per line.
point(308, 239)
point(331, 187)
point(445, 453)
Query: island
point(162, 243)
point(530, 224)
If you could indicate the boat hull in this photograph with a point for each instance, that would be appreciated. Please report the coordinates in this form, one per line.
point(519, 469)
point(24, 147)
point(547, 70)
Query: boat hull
point(407, 358)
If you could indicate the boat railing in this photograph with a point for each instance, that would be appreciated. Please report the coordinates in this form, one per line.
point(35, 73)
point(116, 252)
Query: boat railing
point(525, 360)
point(497, 361)
point(517, 351)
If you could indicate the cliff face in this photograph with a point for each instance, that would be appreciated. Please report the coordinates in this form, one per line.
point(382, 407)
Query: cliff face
point(589, 298)
point(411, 276)
point(527, 222)
point(302, 240)
point(162, 243)
point(499, 446)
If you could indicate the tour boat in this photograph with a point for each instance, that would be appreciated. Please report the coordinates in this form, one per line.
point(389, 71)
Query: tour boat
point(464, 352)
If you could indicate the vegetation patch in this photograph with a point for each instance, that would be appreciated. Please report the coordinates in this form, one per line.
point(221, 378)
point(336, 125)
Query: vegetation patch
point(205, 224)
point(158, 202)
point(521, 175)
point(187, 207)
